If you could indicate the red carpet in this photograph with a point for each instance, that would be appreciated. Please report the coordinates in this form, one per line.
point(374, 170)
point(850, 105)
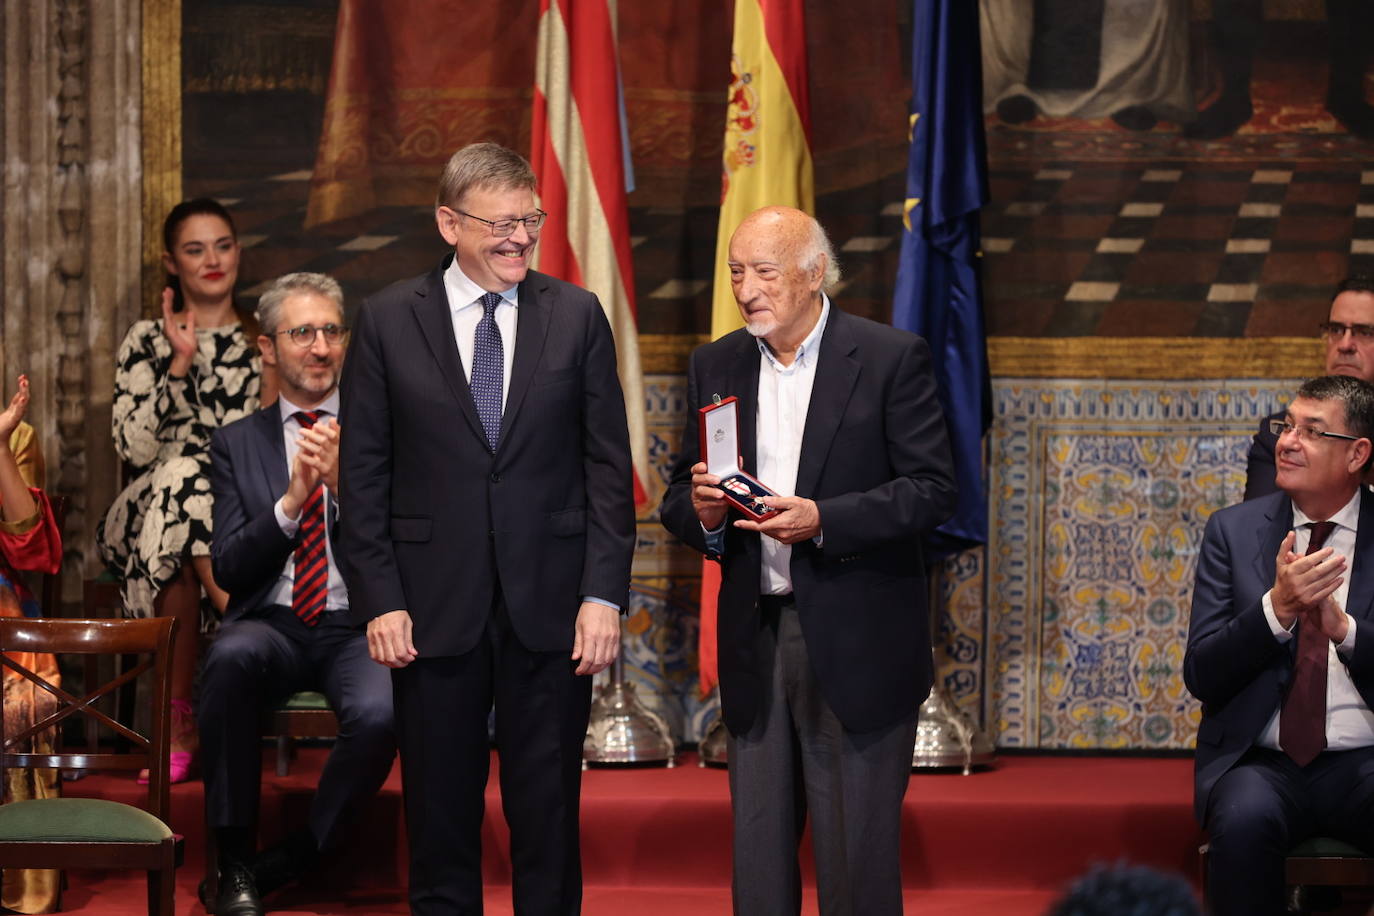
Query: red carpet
point(657, 841)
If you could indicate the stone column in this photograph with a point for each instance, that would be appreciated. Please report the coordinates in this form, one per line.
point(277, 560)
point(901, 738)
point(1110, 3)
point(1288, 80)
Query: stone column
point(70, 237)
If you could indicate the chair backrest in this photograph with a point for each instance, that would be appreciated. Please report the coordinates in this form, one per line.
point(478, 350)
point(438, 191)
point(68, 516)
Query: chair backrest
point(150, 640)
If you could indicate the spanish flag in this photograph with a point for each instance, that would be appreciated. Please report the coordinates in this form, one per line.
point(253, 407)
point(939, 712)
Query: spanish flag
point(766, 162)
point(579, 150)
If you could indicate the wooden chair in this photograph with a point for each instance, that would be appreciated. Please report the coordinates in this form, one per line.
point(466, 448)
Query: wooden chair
point(1321, 860)
point(100, 599)
point(1318, 861)
point(301, 715)
point(92, 832)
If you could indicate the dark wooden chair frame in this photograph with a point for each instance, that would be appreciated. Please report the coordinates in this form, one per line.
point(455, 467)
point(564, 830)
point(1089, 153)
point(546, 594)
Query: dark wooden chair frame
point(151, 640)
point(1308, 866)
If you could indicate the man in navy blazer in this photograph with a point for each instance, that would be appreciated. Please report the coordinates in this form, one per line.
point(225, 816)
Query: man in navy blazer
point(1349, 335)
point(1281, 654)
point(488, 524)
point(824, 636)
point(275, 479)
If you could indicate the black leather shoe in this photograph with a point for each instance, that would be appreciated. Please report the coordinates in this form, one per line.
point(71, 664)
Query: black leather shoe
point(285, 862)
point(238, 893)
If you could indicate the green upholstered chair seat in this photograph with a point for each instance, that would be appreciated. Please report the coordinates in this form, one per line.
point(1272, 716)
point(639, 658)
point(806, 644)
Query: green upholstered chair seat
point(306, 699)
point(85, 820)
point(1325, 847)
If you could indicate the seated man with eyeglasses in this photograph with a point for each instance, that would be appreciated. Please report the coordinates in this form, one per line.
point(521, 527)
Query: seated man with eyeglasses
point(1349, 335)
point(1281, 653)
point(286, 628)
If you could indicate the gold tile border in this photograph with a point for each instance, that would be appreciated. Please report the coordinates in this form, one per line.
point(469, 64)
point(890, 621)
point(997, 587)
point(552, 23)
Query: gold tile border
point(161, 133)
point(1154, 357)
point(1088, 357)
point(666, 354)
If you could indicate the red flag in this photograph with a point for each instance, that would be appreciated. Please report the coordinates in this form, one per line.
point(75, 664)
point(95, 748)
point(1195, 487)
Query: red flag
point(578, 152)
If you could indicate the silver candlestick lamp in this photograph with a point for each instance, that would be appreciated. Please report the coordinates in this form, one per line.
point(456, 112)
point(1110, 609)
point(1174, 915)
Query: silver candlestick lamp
point(621, 729)
point(945, 737)
point(711, 751)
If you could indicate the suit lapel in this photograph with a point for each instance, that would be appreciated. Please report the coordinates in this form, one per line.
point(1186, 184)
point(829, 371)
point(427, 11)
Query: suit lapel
point(837, 369)
point(276, 476)
point(1269, 537)
point(431, 309)
point(531, 328)
point(742, 381)
point(1360, 596)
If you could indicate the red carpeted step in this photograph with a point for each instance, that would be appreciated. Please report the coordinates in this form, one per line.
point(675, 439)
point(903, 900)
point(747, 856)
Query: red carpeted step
point(1017, 832)
point(94, 895)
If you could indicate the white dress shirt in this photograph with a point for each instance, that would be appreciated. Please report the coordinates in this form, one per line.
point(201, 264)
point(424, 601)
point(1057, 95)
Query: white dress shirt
point(783, 399)
point(1349, 723)
point(290, 429)
point(465, 303)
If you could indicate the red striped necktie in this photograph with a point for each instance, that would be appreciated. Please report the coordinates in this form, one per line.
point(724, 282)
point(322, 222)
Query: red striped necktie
point(1302, 718)
point(311, 587)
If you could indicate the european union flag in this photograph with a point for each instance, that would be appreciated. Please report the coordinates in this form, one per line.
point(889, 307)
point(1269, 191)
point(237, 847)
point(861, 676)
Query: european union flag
point(938, 293)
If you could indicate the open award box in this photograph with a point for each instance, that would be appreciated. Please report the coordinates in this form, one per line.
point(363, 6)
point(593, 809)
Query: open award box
point(720, 450)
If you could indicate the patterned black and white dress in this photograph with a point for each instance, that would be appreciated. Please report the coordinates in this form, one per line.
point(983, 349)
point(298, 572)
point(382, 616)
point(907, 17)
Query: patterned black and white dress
point(162, 428)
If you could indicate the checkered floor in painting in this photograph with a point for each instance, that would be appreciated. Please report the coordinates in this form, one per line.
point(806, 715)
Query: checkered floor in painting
point(1111, 247)
point(1173, 248)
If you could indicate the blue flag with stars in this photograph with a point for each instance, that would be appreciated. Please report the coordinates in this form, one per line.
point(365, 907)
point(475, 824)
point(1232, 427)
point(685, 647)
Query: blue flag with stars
point(938, 292)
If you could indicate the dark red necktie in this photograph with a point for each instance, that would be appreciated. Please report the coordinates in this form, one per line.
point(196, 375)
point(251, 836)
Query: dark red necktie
point(1302, 720)
point(311, 587)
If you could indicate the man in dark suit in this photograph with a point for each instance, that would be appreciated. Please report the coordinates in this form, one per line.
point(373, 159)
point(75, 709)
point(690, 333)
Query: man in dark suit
point(1281, 654)
point(1349, 335)
point(286, 629)
point(488, 525)
point(824, 638)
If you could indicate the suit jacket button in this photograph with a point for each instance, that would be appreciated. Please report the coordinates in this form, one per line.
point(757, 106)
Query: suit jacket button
point(495, 478)
point(491, 533)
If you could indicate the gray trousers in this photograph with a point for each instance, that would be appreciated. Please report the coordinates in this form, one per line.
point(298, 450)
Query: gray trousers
point(798, 758)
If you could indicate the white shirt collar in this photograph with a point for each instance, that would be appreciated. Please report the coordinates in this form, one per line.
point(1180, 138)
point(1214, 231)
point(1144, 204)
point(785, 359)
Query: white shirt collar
point(1347, 517)
point(462, 292)
point(329, 405)
point(808, 346)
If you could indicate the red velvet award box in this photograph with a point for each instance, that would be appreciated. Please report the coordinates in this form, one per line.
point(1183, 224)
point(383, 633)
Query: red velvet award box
point(719, 425)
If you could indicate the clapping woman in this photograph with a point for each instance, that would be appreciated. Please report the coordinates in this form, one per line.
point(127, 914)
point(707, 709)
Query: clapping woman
point(178, 379)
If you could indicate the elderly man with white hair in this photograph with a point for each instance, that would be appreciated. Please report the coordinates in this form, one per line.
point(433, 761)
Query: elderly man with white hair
point(824, 640)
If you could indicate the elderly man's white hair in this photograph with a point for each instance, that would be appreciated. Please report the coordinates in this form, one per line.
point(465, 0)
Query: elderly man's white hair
point(818, 244)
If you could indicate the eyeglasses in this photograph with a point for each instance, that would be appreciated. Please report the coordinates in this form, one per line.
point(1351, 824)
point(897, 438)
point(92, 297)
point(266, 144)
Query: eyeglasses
point(1307, 433)
point(504, 227)
point(304, 336)
point(1334, 330)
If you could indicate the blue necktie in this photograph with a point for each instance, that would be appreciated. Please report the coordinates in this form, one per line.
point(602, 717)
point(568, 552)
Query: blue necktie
point(488, 364)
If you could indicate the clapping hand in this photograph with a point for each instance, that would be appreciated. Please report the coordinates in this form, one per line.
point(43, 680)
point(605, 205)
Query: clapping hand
point(319, 450)
point(180, 330)
point(1301, 583)
point(18, 406)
